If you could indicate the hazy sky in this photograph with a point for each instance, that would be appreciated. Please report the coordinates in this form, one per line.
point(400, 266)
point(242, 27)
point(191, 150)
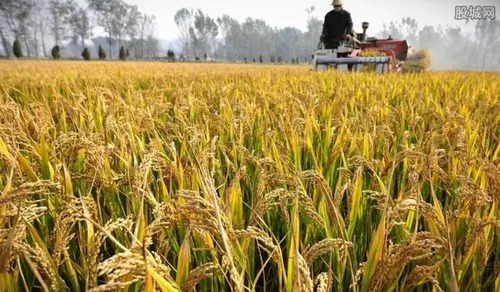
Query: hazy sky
point(281, 13)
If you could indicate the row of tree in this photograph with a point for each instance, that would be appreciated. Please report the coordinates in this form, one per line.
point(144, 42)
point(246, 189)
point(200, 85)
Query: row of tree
point(63, 23)
point(226, 38)
point(202, 36)
point(39, 25)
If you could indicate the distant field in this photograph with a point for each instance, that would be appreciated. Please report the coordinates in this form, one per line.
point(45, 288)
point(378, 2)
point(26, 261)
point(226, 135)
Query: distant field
point(219, 177)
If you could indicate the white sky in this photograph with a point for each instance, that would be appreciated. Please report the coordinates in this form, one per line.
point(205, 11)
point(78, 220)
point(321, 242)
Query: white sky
point(281, 13)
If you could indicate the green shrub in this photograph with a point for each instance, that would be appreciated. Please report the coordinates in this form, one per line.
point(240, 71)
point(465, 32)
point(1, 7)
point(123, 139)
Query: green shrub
point(123, 54)
point(102, 53)
point(18, 52)
point(86, 54)
point(56, 52)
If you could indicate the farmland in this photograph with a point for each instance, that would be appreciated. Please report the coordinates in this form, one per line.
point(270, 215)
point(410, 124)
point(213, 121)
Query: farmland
point(242, 177)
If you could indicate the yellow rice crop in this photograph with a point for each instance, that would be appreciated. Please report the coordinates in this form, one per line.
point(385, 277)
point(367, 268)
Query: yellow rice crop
point(184, 177)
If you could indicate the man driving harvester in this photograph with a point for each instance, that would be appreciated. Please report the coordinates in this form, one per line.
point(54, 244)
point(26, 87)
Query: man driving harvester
point(337, 26)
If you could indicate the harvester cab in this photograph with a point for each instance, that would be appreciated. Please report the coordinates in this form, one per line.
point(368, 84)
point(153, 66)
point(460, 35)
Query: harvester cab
point(352, 55)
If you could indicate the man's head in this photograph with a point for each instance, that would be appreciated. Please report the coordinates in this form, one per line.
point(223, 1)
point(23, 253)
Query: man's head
point(337, 5)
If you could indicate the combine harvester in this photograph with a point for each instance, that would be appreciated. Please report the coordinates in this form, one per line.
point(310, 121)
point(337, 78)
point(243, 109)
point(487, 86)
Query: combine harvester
point(353, 55)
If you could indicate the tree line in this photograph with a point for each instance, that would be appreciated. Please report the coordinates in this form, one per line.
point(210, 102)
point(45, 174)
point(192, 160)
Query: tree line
point(205, 37)
point(48, 27)
point(254, 39)
point(27, 27)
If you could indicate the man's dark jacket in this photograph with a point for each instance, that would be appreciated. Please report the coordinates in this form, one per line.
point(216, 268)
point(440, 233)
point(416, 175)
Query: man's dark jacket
point(337, 25)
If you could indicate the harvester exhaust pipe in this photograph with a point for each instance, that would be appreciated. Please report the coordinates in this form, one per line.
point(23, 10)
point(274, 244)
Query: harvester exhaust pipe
point(364, 25)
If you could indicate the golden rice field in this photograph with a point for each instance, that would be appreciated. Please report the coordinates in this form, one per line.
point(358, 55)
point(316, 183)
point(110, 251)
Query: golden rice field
point(197, 177)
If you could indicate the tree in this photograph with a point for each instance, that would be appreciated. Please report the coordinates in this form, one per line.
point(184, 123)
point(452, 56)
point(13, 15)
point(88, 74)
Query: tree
point(395, 30)
point(195, 41)
point(86, 54)
point(60, 15)
point(314, 29)
point(18, 52)
point(288, 40)
point(202, 30)
point(250, 37)
point(254, 37)
point(410, 29)
point(105, 13)
point(204, 26)
point(102, 53)
point(121, 20)
point(33, 28)
point(132, 26)
point(122, 54)
point(16, 14)
point(143, 27)
point(152, 47)
point(5, 42)
point(488, 33)
point(42, 20)
point(152, 42)
point(428, 37)
point(183, 18)
point(232, 32)
point(56, 52)
point(146, 28)
point(213, 31)
point(26, 25)
point(80, 25)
